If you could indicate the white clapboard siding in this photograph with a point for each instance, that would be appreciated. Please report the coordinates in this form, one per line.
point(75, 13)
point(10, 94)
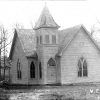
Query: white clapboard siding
point(80, 46)
point(19, 53)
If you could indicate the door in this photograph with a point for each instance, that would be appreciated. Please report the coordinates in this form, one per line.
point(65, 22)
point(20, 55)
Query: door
point(51, 71)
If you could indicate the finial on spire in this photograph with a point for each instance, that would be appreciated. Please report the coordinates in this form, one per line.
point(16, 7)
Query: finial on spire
point(45, 4)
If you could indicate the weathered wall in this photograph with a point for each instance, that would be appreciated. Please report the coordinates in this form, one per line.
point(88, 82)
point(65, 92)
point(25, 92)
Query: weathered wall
point(18, 53)
point(80, 46)
point(46, 51)
point(49, 52)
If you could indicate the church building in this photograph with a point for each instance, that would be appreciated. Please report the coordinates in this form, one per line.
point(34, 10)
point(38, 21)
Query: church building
point(47, 55)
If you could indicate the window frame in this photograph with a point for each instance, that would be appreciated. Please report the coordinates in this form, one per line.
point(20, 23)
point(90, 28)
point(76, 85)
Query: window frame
point(19, 73)
point(82, 68)
point(37, 40)
point(47, 39)
point(54, 41)
point(40, 70)
point(41, 39)
point(51, 63)
point(32, 72)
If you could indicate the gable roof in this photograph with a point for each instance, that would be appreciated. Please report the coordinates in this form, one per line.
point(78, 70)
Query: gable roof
point(27, 40)
point(46, 20)
point(66, 35)
point(69, 35)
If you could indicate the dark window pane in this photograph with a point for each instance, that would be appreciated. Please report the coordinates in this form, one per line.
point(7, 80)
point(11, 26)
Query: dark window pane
point(80, 65)
point(37, 39)
point(40, 39)
point(51, 62)
point(82, 59)
point(84, 72)
point(19, 76)
point(53, 39)
point(80, 73)
point(40, 70)
point(79, 68)
point(47, 39)
point(84, 68)
point(32, 70)
point(84, 64)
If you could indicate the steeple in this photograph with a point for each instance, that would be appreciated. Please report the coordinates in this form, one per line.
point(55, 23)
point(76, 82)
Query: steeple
point(46, 20)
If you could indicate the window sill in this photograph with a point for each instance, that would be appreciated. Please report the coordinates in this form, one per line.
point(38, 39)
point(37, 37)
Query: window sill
point(32, 78)
point(83, 77)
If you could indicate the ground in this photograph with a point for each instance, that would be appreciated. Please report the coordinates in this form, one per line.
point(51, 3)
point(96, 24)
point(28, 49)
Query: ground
point(87, 92)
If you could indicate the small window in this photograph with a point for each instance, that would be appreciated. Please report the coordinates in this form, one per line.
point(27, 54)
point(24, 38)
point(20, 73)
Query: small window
point(37, 39)
point(19, 74)
point(40, 39)
point(47, 39)
point(40, 70)
point(51, 62)
point(82, 68)
point(85, 68)
point(53, 39)
point(32, 70)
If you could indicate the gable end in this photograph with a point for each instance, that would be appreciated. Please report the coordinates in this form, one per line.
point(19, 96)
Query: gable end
point(87, 33)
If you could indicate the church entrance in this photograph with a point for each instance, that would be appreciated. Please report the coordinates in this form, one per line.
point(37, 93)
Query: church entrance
point(51, 71)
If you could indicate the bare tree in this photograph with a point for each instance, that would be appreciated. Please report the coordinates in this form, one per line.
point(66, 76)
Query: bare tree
point(18, 26)
point(3, 47)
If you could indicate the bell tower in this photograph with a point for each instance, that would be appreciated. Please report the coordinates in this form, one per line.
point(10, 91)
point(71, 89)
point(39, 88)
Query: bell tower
point(47, 42)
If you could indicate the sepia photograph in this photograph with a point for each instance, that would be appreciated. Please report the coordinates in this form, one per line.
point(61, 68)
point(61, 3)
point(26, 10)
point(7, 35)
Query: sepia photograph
point(49, 50)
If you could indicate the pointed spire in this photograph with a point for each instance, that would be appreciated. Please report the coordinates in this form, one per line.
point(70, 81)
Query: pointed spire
point(46, 20)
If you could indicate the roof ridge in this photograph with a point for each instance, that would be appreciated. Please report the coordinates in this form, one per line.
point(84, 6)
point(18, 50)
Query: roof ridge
point(86, 32)
point(76, 26)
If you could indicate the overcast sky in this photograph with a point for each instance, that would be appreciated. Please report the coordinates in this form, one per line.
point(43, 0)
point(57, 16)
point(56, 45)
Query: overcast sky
point(66, 13)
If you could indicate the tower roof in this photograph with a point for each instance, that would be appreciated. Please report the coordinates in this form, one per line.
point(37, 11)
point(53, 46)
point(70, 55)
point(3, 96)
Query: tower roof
point(46, 20)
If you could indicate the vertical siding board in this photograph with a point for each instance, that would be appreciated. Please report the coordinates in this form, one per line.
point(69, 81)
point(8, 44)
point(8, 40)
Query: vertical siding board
point(19, 53)
point(80, 46)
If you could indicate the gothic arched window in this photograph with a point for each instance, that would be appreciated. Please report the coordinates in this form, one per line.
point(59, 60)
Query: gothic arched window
point(19, 74)
point(32, 70)
point(82, 68)
point(51, 62)
point(40, 70)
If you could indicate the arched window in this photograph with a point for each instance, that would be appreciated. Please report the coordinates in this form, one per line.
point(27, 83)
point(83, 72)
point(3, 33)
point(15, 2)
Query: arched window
point(32, 70)
point(51, 62)
point(19, 74)
point(82, 68)
point(51, 71)
point(40, 70)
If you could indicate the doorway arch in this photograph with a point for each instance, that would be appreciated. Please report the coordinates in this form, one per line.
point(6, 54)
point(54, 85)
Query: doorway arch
point(51, 71)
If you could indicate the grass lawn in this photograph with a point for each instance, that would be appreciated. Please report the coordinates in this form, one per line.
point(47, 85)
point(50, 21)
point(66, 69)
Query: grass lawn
point(49, 93)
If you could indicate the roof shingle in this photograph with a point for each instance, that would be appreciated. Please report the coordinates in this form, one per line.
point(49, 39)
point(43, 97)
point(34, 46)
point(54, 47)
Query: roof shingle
point(46, 20)
point(27, 39)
